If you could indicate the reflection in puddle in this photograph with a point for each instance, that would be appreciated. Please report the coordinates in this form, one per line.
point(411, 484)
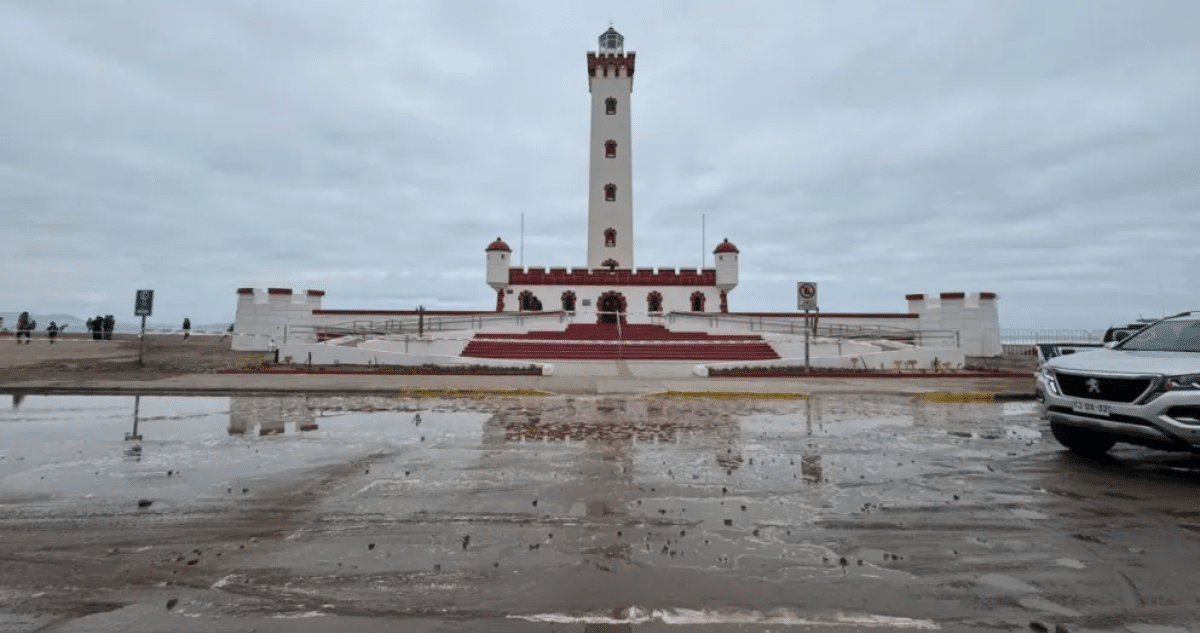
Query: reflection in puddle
point(689, 445)
point(270, 415)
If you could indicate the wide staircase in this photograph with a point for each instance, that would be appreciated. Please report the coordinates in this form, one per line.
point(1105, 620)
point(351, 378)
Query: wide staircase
point(624, 342)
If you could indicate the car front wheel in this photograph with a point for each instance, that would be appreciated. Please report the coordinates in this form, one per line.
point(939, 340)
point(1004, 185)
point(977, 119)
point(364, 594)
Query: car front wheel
point(1082, 441)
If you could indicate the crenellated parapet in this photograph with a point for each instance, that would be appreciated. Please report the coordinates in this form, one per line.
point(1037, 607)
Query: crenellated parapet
point(619, 64)
point(602, 277)
point(266, 314)
point(974, 316)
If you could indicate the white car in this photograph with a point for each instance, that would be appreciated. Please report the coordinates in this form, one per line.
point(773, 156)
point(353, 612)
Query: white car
point(1142, 390)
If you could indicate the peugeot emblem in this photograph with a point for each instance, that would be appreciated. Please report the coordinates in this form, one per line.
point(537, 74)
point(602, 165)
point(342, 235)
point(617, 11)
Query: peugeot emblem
point(1093, 385)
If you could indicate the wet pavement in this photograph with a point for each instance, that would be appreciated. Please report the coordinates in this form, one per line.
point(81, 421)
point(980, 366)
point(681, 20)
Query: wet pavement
point(838, 512)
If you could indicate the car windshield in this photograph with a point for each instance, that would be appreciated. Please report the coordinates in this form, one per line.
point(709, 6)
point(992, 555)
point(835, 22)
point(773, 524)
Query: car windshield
point(1166, 336)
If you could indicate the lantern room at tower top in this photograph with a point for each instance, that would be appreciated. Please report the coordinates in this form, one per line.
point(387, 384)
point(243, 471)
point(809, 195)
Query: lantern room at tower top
point(610, 281)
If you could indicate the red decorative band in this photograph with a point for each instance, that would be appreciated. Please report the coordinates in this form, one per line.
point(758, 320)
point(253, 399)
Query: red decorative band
point(987, 295)
point(613, 62)
point(954, 295)
point(561, 277)
point(401, 312)
point(916, 297)
point(316, 293)
point(245, 291)
point(832, 315)
point(279, 291)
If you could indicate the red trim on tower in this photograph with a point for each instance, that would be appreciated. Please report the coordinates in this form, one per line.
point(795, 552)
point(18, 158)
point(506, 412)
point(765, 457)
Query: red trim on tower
point(614, 62)
point(245, 291)
point(987, 295)
point(954, 295)
point(279, 291)
point(316, 293)
point(915, 297)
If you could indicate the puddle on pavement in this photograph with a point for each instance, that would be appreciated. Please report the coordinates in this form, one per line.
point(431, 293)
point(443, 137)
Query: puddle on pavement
point(180, 449)
point(451, 495)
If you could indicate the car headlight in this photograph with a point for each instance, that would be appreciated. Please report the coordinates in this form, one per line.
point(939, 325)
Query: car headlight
point(1181, 383)
point(1048, 375)
point(1185, 382)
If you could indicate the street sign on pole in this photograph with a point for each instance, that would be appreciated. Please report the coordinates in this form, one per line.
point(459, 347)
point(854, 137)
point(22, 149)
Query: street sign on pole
point(806, 295)
point(143, 305)
point(806, 299)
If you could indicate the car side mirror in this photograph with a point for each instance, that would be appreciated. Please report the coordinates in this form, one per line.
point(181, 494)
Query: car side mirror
point(1111, 344)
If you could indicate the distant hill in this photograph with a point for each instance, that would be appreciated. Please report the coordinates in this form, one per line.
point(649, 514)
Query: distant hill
point(127, 325)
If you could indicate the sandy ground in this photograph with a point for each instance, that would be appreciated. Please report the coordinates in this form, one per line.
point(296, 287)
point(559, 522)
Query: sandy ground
point(78, 357)
point(833, 513)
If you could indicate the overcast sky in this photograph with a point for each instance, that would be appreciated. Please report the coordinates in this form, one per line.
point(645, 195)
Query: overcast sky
point(1046, 151)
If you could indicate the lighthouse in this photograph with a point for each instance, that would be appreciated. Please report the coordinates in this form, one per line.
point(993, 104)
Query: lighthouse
point(611, 289)
point(610, 174)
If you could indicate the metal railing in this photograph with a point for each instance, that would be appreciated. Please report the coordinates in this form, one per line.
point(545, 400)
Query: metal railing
point(431, 323)
point(1036, 337)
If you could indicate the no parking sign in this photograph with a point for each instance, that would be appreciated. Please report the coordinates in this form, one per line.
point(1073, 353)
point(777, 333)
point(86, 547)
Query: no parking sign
point(806, 295)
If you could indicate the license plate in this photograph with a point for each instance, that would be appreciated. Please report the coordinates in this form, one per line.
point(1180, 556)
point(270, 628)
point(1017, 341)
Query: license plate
point(1094, 408)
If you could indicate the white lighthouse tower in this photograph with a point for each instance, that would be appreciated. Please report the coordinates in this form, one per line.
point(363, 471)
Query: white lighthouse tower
point(610, 177)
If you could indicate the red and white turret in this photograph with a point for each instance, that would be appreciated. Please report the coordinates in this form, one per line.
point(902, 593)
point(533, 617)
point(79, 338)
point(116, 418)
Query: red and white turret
point(499, 258)
point(725, 258)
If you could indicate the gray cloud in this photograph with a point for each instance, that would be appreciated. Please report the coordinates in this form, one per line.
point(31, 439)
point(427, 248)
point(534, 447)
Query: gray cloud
point(1044, 151)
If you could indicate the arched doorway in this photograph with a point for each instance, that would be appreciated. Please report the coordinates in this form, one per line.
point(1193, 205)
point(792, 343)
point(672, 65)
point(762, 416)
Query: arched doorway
point(568, 301)
point(697, 301)
point(610, 307)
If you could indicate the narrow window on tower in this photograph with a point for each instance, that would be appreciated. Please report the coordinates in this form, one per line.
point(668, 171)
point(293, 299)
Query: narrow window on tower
point(610, 106)
point(610, 192)
point(610, 237)
point(610, 149)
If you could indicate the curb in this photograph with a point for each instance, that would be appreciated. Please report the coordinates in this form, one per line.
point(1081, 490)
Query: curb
point(729, 395)
point(226, 392)
point(818, 375)
point(953, 397)
point(372, 372)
